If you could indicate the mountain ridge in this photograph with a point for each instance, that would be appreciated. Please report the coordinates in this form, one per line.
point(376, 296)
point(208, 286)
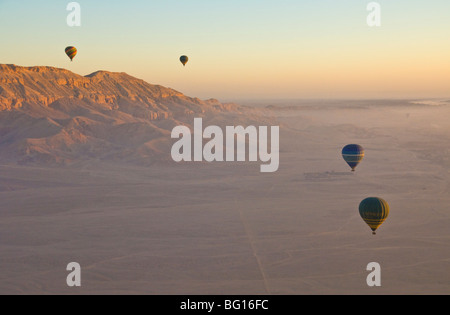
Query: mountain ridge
point(44, 85)
point(50, 115)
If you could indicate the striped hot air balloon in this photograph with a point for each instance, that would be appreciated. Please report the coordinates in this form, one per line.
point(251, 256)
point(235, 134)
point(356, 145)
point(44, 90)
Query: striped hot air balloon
point(71, 52)
point(184, 60)
point(374, 212)
point(353, 155)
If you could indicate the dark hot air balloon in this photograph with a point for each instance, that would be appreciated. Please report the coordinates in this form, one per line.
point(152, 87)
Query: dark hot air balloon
point(71, 52)
point(353, 155)
point(184, 60)
point(374, 212)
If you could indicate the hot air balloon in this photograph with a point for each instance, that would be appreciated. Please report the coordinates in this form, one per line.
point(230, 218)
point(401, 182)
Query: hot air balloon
point(353, 155)
point(184, 60)
point(374, 212)
point(71, 52)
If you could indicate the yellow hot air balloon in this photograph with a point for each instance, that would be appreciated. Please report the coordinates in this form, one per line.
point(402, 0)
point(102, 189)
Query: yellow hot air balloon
point(71, 52)
point(374, 212)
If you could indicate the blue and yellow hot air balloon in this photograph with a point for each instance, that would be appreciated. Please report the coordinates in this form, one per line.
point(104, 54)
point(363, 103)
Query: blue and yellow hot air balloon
point(374, 211)
point(184, 60)
point(353, 155)
point(71, 52)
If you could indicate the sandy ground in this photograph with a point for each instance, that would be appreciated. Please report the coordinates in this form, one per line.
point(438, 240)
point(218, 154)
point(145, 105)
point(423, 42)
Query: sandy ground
point(225, 228)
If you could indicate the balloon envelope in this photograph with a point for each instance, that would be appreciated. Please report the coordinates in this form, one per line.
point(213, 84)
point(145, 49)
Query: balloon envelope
point(184, 60)
point(374, 211)
point(353, 155)
point(71, 52)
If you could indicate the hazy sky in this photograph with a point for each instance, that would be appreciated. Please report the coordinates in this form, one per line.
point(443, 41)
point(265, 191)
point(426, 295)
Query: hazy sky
point(243, 48)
